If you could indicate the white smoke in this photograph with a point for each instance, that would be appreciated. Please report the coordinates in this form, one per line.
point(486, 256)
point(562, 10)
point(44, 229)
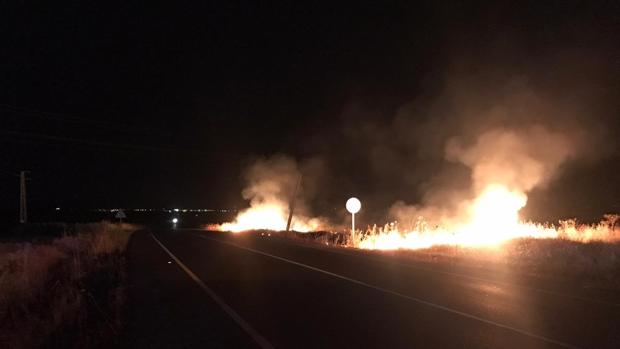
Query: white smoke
point(271, 181)
point(272, 185)
point(520, 159)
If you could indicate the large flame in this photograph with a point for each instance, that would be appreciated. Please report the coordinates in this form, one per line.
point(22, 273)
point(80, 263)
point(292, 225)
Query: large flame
point(273, 188)
point(505, 165)
point(272, 216)
point(495, 216)
point(493, 219)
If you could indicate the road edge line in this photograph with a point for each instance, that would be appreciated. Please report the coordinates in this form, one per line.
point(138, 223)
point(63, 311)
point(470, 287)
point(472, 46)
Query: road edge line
point(398, 294)
point(257, 337)
point(334, 250)
point(456, 274)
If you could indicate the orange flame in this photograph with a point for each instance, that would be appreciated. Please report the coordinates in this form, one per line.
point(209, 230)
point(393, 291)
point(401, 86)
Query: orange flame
point(493, 219)
point(268, 217)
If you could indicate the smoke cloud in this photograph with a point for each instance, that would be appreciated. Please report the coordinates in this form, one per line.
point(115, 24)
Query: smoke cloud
point(271, 181)
point(527, 126)
point(273, 188)
point(520, 159)
point(517, 159)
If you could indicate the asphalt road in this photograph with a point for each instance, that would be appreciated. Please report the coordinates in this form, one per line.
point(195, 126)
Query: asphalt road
point(208, 289)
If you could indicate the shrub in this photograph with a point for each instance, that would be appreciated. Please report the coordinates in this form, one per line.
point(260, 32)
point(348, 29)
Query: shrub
point(74, 281)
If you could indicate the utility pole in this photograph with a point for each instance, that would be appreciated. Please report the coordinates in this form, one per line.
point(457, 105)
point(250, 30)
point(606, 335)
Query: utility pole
point(23, 208)
point(291, 206)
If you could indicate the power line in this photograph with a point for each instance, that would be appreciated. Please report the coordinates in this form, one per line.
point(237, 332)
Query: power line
point(78, 120)
point(9, 173)
point(44, 137)
point(50, 115)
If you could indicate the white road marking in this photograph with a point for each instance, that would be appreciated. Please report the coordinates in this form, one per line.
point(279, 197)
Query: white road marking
point(436, 271)
point(398, 294)
point(260, 340)
point(460, 275)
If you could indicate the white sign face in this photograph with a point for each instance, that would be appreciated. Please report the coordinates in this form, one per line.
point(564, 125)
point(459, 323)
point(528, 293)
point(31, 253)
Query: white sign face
point(353, 205)
point(120, 214)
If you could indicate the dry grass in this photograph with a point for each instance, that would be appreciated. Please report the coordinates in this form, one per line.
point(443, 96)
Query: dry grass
point(595, 263)
point(50, 289)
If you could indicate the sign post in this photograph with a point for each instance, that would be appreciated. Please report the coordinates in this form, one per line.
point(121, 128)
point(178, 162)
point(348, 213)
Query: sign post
point(120, 214)
point(353, 205)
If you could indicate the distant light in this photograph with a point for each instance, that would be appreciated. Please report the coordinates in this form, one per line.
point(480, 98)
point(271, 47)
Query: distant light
point(353, 205)
point(57, 208)
point(176, 210)
point(169, 262)
point(175, 220)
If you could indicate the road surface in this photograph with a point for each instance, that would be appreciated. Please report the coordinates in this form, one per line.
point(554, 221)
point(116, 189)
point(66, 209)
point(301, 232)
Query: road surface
point(193, 288)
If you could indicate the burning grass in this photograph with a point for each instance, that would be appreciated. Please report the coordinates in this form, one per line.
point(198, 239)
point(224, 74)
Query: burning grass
point(582, 254)
point(64, 291)
point(391, 237)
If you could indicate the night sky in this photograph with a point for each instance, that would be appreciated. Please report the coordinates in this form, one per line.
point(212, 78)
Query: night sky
point(144, 104)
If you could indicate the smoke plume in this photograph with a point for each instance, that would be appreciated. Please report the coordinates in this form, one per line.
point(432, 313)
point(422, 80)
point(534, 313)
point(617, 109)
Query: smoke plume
point(519, 159)
point(272, 185)
point(528, 126)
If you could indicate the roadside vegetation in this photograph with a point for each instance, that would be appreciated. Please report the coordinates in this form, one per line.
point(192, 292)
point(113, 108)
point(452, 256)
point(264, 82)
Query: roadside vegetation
point(63, 285)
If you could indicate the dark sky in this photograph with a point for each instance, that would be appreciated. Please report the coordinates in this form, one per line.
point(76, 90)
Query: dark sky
point(142, 104)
